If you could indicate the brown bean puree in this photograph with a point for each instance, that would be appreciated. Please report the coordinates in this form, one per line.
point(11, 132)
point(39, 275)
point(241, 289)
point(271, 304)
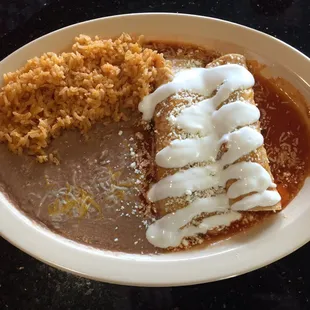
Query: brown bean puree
point(96, 195)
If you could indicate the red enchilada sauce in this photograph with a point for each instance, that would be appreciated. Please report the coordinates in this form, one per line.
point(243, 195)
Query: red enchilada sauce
point(286, 135)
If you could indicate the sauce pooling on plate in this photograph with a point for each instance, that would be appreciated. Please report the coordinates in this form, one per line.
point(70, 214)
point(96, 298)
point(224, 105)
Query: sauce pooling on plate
point(286, 133)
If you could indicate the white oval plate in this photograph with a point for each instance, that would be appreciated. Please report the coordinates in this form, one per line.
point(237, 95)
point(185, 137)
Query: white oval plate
point(276, 238)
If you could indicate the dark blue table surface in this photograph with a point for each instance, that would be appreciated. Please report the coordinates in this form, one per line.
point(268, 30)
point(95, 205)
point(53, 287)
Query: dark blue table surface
point(26, 283)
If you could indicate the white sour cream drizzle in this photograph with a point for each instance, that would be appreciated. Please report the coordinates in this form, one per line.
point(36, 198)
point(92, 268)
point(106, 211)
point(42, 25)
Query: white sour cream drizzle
point(185, 181)
point(215, 128)
point(227, 118)
point(166, 231)
point(183, 152)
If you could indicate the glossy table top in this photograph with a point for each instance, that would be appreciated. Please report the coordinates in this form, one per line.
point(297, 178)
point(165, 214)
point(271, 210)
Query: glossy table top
point(26, 283)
